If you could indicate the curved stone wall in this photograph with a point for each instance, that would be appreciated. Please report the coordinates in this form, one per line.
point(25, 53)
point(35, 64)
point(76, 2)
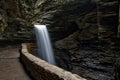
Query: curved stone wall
point(41, 70)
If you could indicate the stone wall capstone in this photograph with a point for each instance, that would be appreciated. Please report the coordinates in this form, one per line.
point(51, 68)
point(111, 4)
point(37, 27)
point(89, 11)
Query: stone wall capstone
point(41, 70)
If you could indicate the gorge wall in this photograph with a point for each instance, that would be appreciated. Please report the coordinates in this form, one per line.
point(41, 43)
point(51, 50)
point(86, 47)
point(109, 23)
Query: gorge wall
point(70, 23)
point(89, 18)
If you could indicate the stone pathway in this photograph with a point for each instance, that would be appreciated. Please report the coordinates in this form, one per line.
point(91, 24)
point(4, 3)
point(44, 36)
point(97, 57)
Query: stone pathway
point(10, 66)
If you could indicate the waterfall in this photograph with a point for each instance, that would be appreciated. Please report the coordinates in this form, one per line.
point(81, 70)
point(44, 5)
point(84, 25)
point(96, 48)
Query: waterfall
point(43, 43)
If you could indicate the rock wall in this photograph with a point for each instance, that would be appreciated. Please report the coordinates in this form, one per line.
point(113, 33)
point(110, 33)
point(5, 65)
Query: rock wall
point(3, 17)
point(70, 22)
point(103, 20)
point(91, 18)
point(119, 23)
point(15, 15)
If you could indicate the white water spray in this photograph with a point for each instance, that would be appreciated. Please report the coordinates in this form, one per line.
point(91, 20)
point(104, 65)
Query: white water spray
point(43, 43)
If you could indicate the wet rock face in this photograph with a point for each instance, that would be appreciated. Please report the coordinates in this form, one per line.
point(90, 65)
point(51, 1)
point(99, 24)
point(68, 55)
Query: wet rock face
point(3, 17)
point(119, 23)
point(15, 16)
point(92, 19)
point(86, 60)
point(69, 22)
point(101, 22)
point(59, 16)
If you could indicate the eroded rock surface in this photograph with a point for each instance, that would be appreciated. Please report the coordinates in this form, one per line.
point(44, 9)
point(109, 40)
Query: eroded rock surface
point(70, 23)
point(64, 17)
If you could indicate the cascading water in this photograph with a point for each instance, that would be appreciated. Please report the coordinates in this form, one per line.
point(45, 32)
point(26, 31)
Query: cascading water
point(44, 45)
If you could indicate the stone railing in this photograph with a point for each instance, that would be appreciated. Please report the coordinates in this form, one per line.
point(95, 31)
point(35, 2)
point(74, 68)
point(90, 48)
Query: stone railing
point(41, 70)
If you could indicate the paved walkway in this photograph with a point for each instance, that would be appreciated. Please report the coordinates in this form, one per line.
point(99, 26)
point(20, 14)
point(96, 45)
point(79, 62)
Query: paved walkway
point(10, 66)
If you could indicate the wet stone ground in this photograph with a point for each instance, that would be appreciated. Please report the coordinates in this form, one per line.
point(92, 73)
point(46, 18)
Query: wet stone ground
point(10, 66)
point(88, 62)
